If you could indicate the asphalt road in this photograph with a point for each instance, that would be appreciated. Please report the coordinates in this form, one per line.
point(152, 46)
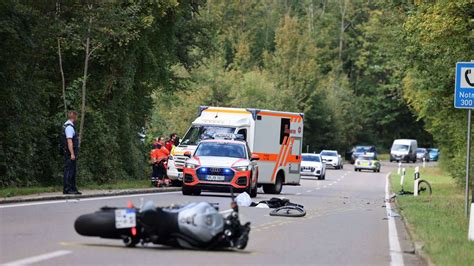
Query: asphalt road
point(346, 223)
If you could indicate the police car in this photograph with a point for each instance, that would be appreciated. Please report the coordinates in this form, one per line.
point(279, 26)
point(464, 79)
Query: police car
point(368, 161)
point(219, 163)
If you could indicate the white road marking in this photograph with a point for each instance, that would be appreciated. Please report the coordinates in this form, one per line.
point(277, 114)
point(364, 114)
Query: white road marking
point(298, 193)
point(396, 257)
point(36, 259)
point(83, 199)
point(308, 191)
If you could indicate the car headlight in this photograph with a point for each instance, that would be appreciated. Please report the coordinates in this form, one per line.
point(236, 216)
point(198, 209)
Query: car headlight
point(242, 168)
point(190, 165)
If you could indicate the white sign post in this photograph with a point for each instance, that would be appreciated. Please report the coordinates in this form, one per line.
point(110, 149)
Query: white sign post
point(464, 99)
point(399, 167)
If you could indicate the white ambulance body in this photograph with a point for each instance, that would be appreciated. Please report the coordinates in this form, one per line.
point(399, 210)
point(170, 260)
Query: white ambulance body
point(276, 137)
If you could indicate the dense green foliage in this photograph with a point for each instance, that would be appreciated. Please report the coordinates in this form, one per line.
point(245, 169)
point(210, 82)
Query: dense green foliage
point(436, 37)
point(361, 71)
point(339, 62)
point(133, 46)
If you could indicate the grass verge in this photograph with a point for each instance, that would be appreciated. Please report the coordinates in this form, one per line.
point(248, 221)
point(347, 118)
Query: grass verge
point(439, 223)
point(122, 184)
point(384, 156)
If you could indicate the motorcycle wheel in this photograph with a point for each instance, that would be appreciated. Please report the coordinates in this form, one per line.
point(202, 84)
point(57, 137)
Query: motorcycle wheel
point(101, 224)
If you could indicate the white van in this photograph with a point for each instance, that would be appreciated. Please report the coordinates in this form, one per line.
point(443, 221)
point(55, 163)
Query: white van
point(276, 137)
point(403, 150)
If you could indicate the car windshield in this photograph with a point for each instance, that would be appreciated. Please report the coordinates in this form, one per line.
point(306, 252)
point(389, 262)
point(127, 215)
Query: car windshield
point(196, 133)
point(311, 158)
point(368, 158)
point(433, 150)
point(328, 153)
point(221, 149)
point(362, 149)
point(420, 150)
point(400, 147)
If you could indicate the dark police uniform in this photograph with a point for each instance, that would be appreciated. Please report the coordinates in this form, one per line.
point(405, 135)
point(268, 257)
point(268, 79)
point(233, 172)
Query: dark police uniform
point(69, 180)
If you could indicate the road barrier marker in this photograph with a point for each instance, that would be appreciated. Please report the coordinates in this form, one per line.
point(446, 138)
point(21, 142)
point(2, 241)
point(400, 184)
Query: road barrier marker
point(470, 235)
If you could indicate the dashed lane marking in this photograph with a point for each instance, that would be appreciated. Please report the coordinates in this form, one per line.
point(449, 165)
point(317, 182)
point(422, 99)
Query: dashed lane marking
point(39, 258)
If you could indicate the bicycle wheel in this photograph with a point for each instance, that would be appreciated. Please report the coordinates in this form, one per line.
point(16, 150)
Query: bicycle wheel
point(424, 188)
point(288, 211)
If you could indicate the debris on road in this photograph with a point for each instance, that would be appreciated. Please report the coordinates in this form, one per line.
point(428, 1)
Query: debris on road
point(282, 207)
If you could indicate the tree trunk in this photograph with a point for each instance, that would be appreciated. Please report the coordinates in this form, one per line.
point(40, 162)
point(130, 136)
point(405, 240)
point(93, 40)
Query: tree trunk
point(343, 8)
point(84, 83)
point(60, 58)
point(63, 81)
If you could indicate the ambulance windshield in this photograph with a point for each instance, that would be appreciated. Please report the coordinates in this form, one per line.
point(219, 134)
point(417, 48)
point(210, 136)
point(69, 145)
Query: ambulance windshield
point(197, 133)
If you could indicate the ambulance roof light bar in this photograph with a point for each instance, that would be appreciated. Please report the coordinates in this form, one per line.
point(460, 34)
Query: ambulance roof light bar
point(224, 136)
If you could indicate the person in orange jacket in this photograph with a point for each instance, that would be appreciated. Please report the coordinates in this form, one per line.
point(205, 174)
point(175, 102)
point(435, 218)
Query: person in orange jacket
point(171, 141)
point(159, 156)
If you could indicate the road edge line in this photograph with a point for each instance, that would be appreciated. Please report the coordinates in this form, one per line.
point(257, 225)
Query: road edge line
point(396, 254)
point(26, 204)
point(38, 258)
point(5, 201)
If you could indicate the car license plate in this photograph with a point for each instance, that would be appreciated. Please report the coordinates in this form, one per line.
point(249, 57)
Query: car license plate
point(215, 178)
point(306, 170)
point(125, 218)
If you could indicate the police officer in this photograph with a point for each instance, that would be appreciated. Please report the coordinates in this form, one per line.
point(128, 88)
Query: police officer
point(71, 147)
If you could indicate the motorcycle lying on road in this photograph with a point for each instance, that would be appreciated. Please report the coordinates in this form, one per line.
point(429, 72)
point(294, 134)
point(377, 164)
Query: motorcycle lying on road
point(196, 225)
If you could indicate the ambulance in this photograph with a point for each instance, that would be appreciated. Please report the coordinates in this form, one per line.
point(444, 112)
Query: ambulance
point(275, 137)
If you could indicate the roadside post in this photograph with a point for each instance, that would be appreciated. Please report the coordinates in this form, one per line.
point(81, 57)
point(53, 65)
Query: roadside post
point(464, 99)
point(399, 167)
point(402, 179)
point(416, 180)
point(424, 162)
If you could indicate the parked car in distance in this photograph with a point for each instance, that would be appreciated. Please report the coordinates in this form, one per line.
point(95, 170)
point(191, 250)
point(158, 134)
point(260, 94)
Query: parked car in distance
point(312, 165)
point(422, 153)
point(361, 150)
point(368, 161)
point(403, 150)
point(433, 154)
point(332, 158)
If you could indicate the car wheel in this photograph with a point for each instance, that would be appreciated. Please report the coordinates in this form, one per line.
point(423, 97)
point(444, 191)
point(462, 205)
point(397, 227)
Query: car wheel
point(196, 192)
point(274, 188)
point(176, 183)
point(187, 190)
